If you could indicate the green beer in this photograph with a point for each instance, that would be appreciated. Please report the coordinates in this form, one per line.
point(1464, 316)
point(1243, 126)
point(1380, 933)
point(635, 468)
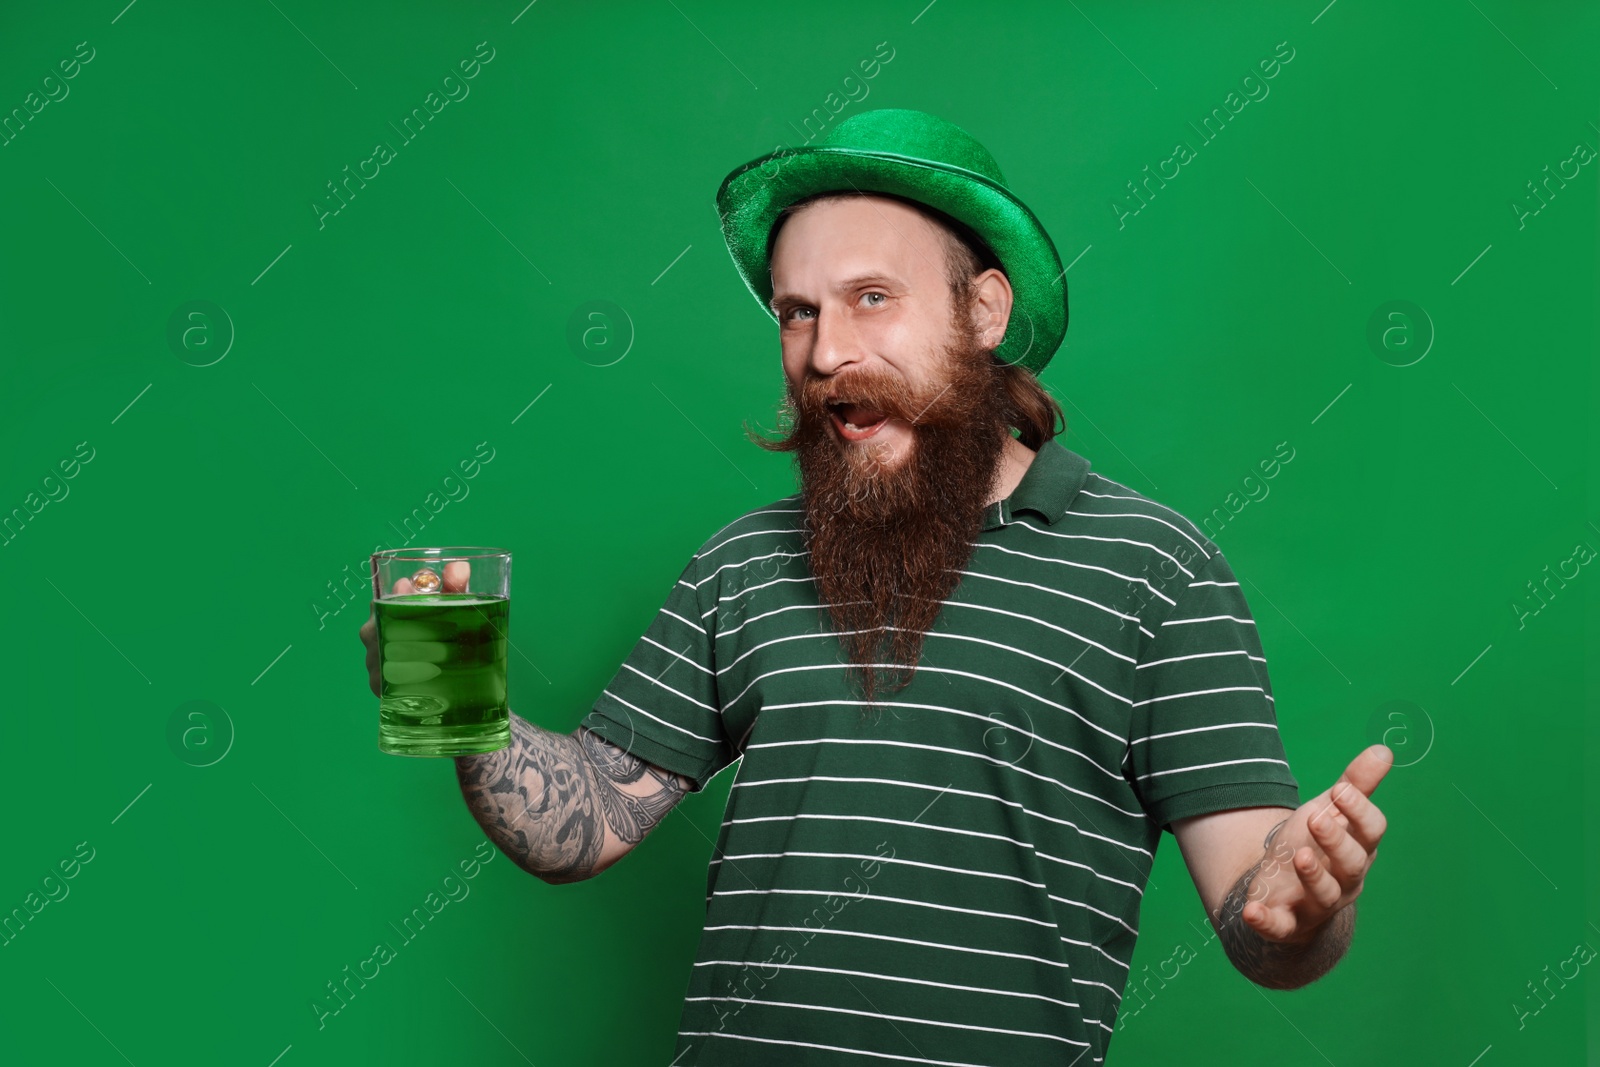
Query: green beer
point(443, 658)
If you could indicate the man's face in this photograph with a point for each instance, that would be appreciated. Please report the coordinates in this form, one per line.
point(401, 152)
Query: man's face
point(898, 410)
point(864, 315)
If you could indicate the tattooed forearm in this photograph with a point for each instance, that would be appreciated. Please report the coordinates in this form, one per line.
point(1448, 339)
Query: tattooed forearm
point(629, 815)
point(555, 803)
point(535, 801)
point(1277, 964)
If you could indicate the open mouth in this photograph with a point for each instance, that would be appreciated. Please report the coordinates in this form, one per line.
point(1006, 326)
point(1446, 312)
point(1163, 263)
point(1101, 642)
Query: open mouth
point(854, 422)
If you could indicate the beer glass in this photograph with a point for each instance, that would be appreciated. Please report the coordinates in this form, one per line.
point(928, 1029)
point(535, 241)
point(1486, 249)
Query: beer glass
point(442, 617)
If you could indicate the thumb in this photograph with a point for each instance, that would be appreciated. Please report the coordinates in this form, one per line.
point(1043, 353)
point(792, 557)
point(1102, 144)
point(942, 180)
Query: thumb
point(457, 573)
point(1368, 768)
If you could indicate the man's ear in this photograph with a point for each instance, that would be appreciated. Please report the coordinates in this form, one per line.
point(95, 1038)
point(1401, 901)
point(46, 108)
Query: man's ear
point(991, 308)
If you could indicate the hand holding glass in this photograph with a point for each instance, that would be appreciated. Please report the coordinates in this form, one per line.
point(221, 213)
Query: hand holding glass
point(442, 621)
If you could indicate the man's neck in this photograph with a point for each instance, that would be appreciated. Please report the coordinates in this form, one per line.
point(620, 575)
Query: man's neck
point(1014, 463)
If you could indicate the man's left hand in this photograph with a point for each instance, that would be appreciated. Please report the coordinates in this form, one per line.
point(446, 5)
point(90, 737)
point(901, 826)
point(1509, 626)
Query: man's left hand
point(1317, 861)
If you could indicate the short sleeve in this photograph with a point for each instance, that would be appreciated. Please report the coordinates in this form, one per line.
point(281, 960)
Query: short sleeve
point(1203, 735)
point(662, 705)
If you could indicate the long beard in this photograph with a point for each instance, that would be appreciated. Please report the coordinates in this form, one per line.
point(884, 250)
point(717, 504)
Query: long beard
point(887, 542)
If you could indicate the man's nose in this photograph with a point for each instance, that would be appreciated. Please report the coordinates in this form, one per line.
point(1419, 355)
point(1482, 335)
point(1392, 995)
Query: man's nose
point(834, 343)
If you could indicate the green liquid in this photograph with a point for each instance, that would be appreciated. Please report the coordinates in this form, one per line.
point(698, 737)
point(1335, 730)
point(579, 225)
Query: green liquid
point(443, 658)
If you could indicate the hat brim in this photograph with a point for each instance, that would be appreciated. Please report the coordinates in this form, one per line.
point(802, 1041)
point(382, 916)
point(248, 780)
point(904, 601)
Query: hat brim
point(751, 198)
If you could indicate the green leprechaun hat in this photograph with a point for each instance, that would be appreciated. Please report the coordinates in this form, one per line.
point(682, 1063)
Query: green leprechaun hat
point(921, 157)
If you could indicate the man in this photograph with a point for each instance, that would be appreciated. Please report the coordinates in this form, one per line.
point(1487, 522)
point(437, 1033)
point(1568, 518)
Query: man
point(968, 681)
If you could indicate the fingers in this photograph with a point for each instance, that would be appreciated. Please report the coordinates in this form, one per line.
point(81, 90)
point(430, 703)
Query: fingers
point(1366, 822)
point(1368, 768)
point(1324, 809)
point(1277, 924)
point(1320, 884)
point(1348, 859)
point(1320, 895)
point(369, 637)
point(454, 579)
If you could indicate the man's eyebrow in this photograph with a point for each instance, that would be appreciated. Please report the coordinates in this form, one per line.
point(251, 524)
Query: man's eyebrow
point(871, 277)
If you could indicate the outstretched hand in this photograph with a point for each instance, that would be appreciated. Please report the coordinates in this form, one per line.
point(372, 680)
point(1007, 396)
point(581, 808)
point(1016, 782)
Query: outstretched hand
point(1317, 861)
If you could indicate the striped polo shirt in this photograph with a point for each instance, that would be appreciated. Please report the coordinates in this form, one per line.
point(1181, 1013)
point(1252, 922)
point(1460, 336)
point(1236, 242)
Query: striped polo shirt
point(954, 879)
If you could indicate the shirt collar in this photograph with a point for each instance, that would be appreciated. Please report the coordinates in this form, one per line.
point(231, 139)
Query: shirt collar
point(1047, 487)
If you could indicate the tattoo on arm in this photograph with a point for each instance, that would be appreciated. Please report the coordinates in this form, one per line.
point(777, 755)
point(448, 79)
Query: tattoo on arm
point(548, 800)
point(629, 816)
point(1276, 964)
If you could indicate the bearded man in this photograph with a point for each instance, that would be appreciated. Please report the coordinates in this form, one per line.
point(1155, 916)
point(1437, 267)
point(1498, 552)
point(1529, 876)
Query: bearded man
point(897, 456)
point(968, 681)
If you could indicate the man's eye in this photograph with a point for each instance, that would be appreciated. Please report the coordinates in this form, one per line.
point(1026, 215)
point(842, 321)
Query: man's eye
point(883, 296)
point(791, 312)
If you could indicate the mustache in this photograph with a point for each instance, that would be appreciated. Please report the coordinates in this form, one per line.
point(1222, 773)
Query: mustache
point(875, 391)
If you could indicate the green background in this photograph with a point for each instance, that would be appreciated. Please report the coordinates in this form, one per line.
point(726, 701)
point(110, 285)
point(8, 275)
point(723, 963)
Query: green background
point(194, 557)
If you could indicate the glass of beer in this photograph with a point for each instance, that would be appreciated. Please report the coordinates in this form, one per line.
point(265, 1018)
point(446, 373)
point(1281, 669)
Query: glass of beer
point(442, 617)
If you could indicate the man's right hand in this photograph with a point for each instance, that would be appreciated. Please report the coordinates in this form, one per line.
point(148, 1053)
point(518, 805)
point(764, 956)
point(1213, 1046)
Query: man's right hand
point(595, 800)
point(456, 573)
